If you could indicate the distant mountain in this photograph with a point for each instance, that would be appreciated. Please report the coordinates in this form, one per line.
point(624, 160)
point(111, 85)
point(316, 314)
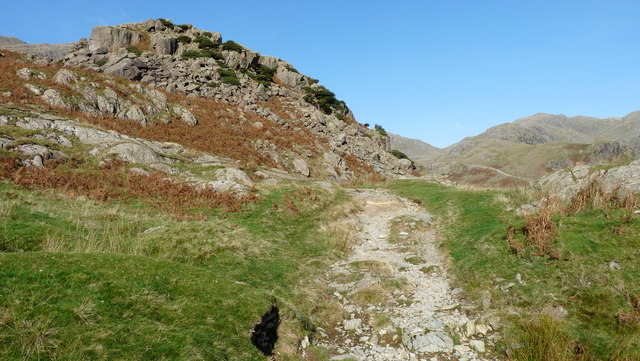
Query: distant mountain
point(416, 149)
point(7, 40)
point(534, 146)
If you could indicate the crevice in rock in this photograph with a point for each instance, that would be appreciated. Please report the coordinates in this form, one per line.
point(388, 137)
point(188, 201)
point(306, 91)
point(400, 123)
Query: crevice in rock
point(265, 332)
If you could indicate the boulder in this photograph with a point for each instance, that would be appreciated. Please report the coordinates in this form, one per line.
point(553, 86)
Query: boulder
point(301, 167)
point(289, 78)
point(268, 61)
point(164, 45)
point(125, 69)
point(65, 76)
point(234, 175)
point(135, 153)
point(53, 98)
point(185, 115)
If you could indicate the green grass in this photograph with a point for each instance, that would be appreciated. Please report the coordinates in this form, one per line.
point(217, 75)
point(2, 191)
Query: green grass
point(472, 224)
point(82, 280)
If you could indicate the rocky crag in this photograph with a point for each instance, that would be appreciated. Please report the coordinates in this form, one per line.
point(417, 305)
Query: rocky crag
point(258, 110)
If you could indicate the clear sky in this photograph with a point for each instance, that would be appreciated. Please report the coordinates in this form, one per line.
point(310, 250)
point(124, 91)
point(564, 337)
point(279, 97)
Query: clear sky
point(434, 70)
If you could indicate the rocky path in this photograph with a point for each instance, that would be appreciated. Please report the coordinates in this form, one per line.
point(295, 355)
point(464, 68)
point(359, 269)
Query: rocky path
point(395, 290)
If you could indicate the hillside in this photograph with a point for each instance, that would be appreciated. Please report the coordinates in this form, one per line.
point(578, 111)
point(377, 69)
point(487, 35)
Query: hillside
point(227, 100)
point(172, 188)
point(415, 149)
point(530, 147)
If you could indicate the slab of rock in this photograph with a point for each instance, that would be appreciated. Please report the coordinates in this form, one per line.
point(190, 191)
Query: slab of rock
point(112, 37)
point(125, 68)
point(301, 167)
point(430, 342)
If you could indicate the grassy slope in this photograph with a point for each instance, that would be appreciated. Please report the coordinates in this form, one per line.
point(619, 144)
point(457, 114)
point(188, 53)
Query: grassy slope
point(473, 227)
point(90, 284)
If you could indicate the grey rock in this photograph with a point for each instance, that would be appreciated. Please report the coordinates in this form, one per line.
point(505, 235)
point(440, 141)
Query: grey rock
point(53, 98)
point(35, 149)
point(34, 89)
point(125, 69)
point(50, 52)
point(289, 78)
point(477, 345)
point(135, 113)
point(112, 37)
point(234, 175)
point(185, 115)
point(164, 45)
point(352, 324)
point(65, 76)
point(135, 153)
point(301, 167)
point(430, 342)
point(4, 142)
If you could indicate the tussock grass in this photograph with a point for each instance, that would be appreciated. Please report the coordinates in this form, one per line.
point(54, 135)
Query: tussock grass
point(591, 276)
point(90, 283)
point(112, 181)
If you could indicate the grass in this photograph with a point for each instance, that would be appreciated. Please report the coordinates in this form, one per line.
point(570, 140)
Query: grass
point(473, 225)
point(92, 284)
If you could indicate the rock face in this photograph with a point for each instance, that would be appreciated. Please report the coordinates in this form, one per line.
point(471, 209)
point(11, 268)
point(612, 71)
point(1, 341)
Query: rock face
point(566, 183)
point(111, 37)
point(50, 52)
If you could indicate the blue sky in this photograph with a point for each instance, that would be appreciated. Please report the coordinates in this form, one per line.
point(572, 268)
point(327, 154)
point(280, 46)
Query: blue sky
point(434, 70)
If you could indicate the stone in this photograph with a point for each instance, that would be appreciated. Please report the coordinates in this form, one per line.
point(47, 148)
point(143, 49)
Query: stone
point(4, 142)
point(482, 329)
point(53, 98)
point(305, 342)
point(34, 89)
point(268, 61)
point(164, 45)
point(470, 328)
point(135, 113)
point(234, 175)
point(24, 73)
point(185, 115)
point(65, 76)
point(431, 342)
point(461, 349)
point(135, 153)
point(301, 167)
point(289, 78)
point(477, 345)
point(352, 324)
point(614, 266)
point(342, 357)
point(153, 229)
point(125, 69)
point(112, 37)
point(35, 149)
point(37, 161)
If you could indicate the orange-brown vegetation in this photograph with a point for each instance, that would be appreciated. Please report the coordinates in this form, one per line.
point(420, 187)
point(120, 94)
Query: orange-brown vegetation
point(224, 129)
point(632, 317)
point(594, 196)
point(539, 231)
point(112, 181)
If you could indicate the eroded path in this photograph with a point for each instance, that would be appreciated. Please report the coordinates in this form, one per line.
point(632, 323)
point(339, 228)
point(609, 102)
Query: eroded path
point(397, 295)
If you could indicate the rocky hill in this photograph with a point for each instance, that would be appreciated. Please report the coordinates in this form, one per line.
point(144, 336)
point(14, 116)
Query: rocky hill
point(168, 90)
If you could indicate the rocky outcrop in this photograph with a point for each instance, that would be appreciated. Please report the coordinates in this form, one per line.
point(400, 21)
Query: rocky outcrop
point(566, 183)
point(112, 37)
point(197, 63)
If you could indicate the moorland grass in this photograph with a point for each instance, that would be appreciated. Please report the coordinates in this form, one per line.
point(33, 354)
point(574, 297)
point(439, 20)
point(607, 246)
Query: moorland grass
point(594, 291)
point(90, 283)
